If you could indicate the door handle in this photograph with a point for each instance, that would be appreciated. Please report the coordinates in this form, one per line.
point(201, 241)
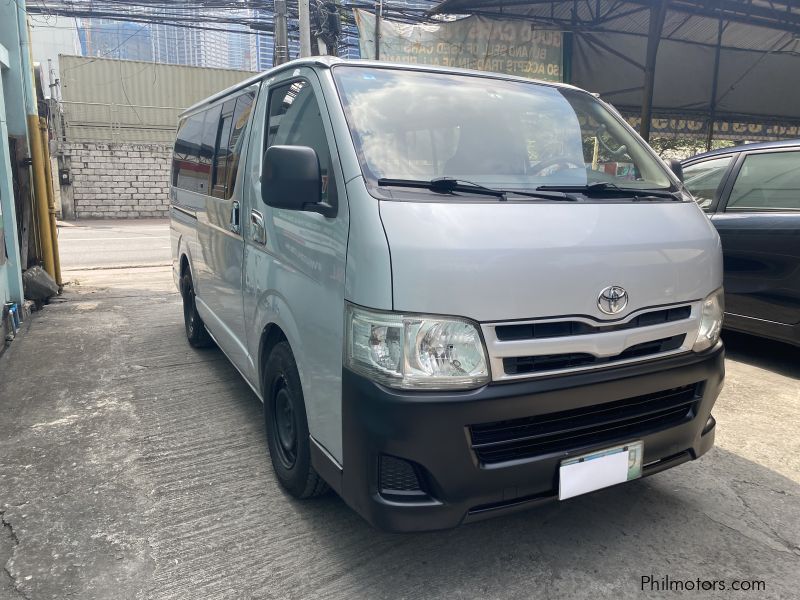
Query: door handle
point(234, 224)
point(258, 233)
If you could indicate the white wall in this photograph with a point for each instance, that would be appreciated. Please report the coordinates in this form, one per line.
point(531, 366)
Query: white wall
point(51, 36)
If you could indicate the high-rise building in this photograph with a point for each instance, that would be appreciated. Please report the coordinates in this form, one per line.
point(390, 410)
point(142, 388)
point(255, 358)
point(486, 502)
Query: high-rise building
point(115, 39)
point(265, 40)
point(213, 44)
point(240, 48)
point(176, 45)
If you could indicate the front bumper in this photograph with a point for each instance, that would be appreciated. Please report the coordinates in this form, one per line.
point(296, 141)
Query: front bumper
point(432, 430)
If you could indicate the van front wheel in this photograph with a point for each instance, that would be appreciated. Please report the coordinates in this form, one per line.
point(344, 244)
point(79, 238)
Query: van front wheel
point(287, 426)
point(195, 328)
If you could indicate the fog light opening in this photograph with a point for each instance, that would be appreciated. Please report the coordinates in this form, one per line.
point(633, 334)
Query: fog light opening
point(710, 424)
point(400, 480)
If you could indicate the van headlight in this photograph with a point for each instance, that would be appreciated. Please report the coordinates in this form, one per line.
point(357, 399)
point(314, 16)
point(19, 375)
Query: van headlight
point(711, 315)
point(415, 351)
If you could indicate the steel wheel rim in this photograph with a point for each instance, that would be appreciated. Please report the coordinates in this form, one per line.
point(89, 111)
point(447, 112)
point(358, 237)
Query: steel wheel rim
point(188, 309)
point(284, 424)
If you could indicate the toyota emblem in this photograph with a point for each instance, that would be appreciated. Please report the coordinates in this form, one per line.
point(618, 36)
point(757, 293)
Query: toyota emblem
point(612, 300)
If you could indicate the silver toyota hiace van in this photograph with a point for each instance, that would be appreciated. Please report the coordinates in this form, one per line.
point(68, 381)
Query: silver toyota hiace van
point(458, 294)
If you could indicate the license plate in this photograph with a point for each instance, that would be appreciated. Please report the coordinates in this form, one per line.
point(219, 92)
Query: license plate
point(601, 469)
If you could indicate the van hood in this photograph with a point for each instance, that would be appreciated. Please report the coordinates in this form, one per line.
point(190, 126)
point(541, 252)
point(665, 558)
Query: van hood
point(506, 260)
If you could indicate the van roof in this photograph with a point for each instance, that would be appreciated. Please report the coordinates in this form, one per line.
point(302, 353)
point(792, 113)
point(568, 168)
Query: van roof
point(327, 62)
point(744, 148)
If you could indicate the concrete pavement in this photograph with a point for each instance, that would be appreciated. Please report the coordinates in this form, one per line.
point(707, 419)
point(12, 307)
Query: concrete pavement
point(113, 243)
point(133, 466)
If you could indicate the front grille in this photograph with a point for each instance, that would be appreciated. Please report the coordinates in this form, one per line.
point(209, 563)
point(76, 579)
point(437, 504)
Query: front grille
point(521, 365)
point(398, 477)
point(536, 331)
point(526, 437)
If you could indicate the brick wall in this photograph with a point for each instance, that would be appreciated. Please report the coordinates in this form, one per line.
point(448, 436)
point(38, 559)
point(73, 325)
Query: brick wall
point(119, 180)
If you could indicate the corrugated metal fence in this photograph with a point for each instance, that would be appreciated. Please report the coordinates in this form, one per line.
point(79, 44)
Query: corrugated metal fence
point(109, 100)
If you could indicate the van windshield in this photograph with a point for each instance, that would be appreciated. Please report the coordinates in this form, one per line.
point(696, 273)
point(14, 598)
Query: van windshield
point(418, 125)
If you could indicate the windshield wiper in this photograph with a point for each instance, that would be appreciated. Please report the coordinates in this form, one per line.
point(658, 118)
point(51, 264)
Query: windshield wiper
point(604, 188)
point(448, 185)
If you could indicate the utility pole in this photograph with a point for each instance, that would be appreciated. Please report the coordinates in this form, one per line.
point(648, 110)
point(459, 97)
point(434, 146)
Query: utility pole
point(712, 108)
point(281, 50)
point(658, 12)
point(88, 24)
point(304, 19)
point(378, 15)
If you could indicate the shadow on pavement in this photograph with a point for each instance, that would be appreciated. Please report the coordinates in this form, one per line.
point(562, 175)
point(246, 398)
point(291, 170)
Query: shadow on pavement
point(760, 352)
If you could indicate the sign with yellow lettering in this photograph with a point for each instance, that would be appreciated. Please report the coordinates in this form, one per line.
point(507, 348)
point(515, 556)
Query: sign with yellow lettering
point(499, 45)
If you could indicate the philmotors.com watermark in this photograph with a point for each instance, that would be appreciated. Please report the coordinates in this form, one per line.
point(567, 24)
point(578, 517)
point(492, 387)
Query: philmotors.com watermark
point(652, 583)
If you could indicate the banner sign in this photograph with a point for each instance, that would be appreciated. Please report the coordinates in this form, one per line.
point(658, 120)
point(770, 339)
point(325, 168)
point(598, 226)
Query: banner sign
point(499, 45)
point(723, 129)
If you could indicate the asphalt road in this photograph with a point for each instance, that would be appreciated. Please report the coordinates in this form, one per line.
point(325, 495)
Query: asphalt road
point(113, 243)
point(133, 466)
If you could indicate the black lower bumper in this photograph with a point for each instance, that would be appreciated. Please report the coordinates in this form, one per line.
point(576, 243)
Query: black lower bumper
point(432, 432)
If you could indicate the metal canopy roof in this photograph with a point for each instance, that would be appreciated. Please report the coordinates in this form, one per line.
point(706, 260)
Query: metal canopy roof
point(780, 16)
point(731, 59)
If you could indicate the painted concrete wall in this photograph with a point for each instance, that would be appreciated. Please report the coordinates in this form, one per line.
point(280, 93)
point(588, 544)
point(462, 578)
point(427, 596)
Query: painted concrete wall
point(10, 269)
point(20, 99)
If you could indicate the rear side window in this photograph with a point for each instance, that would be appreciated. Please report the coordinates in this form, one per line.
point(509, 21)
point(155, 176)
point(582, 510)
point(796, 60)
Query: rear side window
point(704, 178)
point(208, 147)
point(295, 120)
point(185, 170)
point(241, 115)
point(208, 143)
point(768, 181)
point(219, 172)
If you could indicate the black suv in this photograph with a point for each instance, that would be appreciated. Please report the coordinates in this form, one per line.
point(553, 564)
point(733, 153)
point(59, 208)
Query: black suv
point(752, 194)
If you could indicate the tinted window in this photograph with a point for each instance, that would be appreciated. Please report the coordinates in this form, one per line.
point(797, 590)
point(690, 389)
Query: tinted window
point(295, 120)
point(241, 115)
point(703, 179)
point(768, 181)
point(207, 143)
point(187, 150)
point(220, 168)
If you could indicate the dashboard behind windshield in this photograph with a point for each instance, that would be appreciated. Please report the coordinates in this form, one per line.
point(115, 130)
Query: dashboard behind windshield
point(422, 125)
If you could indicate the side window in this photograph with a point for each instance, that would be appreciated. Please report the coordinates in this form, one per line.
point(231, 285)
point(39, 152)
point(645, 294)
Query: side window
point(241, 114)
point(219, 179)
point(186, 153)
point(207, 143)
point(769, 181)
point(703, 179)
point(295, 120)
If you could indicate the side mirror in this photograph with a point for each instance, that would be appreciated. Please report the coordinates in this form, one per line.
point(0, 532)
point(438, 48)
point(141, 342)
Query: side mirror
point(291, 179)
point(676, 167)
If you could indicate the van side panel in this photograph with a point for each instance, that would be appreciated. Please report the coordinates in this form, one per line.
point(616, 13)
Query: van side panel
point(295, 279)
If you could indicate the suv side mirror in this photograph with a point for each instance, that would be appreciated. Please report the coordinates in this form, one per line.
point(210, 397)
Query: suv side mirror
point(291, 179)
point(676, 167)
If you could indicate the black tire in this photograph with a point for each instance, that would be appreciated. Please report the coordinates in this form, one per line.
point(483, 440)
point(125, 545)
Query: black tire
point(196, 331)
point(287, 426)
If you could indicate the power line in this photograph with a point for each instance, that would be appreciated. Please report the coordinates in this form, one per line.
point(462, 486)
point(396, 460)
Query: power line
point(239, 17)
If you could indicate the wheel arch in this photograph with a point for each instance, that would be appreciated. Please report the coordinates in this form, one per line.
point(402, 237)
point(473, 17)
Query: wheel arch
point(271, 336)
point(184, 264)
